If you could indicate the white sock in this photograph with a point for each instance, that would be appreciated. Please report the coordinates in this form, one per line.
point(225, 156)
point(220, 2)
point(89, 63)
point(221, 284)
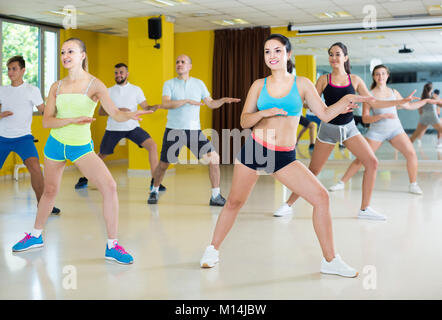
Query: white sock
point(413, 183)
point(156, 189)
point(215, 192)
point(36, 232)
point(111, 243)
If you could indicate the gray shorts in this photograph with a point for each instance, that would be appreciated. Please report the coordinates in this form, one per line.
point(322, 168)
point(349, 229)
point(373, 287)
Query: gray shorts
point(386, 134)
point(332, 133)
point(429, 118)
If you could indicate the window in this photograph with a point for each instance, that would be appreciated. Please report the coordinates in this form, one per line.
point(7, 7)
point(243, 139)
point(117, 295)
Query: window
point(39, 47)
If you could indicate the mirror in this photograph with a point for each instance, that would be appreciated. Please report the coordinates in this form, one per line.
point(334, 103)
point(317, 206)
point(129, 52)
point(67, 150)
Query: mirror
point(409, 71)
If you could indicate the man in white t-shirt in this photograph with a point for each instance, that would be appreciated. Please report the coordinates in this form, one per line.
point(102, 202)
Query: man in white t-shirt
point(126, 97)
point(182, 97)
point(17, 101)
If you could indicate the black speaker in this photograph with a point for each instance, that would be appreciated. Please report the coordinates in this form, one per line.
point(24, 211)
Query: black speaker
point(154, 28)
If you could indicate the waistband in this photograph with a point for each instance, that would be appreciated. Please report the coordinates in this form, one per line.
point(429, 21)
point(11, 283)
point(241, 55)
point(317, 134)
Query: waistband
point(271, 146)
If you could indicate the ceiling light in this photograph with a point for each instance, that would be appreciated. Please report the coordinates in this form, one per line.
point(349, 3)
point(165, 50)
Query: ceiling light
point(435, 9)
point(166, 3)
point(332, 15)
point(371, 37)
point(240, 21)
point(160, 3)
point(230, 22)
point(62, 13)
point(343, 14)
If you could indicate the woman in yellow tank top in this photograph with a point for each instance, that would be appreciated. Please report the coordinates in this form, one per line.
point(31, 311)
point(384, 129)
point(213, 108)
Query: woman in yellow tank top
point(69, 113)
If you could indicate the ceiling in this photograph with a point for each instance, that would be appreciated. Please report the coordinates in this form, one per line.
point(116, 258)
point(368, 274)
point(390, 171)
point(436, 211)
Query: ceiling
point(110, 16)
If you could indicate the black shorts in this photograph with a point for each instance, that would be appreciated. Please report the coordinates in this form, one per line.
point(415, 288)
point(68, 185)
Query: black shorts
point(111, 138)
point(303, 121)
point(175, 139)
point(256, 156)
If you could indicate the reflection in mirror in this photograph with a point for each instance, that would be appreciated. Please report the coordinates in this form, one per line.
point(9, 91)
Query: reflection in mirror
point(414, 58)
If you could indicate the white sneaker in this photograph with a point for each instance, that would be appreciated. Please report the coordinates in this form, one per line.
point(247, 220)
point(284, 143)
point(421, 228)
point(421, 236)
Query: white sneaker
point(339, 186)
point(210, 257)
point(439, 146)
point(414, 188)
point(370, 214)
point(339, 267)
point(419, 142)
point(283, 210)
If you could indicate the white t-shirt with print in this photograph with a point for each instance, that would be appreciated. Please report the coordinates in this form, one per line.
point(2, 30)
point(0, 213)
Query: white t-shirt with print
point(20, 101)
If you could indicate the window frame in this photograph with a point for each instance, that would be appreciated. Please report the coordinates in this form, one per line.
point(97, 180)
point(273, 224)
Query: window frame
point(41, 63)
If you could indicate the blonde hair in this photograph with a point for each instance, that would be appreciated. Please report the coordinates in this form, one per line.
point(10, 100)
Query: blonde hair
point(82, 46)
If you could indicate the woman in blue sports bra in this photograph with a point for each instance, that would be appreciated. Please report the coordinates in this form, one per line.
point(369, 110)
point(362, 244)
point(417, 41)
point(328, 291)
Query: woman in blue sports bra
point(342, 128)
point(272, 108)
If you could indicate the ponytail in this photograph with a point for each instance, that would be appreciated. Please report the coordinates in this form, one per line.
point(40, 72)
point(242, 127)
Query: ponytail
point(426, 91)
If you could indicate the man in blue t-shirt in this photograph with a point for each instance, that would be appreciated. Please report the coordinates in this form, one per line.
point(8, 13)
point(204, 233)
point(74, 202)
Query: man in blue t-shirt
point(182, 98)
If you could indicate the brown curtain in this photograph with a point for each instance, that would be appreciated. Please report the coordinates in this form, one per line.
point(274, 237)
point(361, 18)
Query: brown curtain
point(238, 60)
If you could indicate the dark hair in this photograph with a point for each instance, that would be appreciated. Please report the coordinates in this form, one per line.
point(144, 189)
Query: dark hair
point(426, 91)
point(345, 51)
point(19, 59)
point(288, 47)
point(379, 66)
point(436, 91)
point(120, 65)
point(82, 46)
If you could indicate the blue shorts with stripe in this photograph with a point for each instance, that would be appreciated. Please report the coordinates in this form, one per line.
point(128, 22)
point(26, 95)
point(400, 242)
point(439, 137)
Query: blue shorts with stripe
point(23, 146)
point(56, 151)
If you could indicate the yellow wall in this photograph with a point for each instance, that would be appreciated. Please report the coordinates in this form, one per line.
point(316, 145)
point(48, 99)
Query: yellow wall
point(149, 68)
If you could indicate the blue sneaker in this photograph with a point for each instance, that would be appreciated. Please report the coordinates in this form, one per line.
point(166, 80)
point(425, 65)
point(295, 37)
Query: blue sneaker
point(118, 254)
point(28, 242)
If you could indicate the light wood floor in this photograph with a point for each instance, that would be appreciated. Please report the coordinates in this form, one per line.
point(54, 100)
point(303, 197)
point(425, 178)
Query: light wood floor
point(262, 258)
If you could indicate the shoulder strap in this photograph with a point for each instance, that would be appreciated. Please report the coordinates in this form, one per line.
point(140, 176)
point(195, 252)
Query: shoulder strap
point(90, 82)
point(58, 88)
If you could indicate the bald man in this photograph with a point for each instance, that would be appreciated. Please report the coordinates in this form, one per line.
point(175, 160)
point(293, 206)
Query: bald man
point(182, 98)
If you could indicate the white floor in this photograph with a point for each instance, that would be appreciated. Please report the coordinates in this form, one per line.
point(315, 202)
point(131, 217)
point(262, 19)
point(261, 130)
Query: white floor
point(262, 258)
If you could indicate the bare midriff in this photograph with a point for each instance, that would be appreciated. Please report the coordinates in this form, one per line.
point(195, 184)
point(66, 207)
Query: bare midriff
point(277, 130)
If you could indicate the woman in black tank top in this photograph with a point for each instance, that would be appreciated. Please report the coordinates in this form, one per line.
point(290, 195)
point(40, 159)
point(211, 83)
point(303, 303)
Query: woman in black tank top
point(334, 86)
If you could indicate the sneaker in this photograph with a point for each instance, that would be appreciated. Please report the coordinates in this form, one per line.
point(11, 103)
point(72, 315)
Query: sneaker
point(439, 146)
point(283, 210)
point(311, 147)
point(338, 267)
point(419, 142)
point(370, 214)
point(118, 254)
point(55, 211)
point(153, 198)
point(339, 186)
point(210, 257)
point(414, 188)
point(82, 183)
point(28, 242)
point(162, 188)
point(219, 201)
